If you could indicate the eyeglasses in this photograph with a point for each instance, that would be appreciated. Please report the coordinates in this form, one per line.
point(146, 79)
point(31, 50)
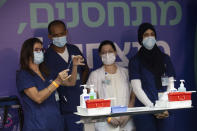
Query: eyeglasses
point(39, 49)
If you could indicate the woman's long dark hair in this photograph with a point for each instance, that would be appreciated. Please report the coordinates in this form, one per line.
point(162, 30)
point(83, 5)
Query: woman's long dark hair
point(27, 54)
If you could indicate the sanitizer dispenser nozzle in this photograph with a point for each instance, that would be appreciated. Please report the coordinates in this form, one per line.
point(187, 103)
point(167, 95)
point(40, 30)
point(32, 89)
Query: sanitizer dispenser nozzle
point(84, 88)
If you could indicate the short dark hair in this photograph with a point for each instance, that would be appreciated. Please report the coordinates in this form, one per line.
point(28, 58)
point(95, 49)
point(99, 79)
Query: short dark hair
point(106, 42)
point(54, 23)
point(27, 54)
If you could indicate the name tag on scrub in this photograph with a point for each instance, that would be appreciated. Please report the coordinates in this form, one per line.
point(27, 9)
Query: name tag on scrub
point(57, 98)
point(164, 80)
point(78, 76)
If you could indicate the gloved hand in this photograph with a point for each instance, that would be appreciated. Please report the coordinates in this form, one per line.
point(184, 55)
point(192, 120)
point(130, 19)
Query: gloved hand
point(77, 60)
point(123, 120)
point(113, 121)
point(64, 75)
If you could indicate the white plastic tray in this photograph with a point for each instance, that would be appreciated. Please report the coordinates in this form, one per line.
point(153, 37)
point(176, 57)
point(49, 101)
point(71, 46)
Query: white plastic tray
point(132, 111)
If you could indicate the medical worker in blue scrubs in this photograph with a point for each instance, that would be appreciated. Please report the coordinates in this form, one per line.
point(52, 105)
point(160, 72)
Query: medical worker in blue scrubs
point(146, 69)
point(58, 57)
point(37, 88)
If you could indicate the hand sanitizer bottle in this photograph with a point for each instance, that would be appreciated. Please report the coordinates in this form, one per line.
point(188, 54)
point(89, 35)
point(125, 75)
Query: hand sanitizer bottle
point(84, 97)
point(172, 89)
point(182, 87)
point(92, 93)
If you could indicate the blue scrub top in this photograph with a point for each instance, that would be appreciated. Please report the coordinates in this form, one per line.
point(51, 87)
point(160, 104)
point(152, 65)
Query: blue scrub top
point(138, 71)
point(69, 95)
point(38, 117)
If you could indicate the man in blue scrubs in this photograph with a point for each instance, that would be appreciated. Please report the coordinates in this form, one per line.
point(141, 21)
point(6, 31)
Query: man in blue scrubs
point(59, 57)
point(146, 69)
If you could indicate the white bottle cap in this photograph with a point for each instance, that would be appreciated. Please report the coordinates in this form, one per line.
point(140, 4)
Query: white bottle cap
point(182, 84)
point(84, 89)
point(91, 86)
point(84, 86)
point(91, 89)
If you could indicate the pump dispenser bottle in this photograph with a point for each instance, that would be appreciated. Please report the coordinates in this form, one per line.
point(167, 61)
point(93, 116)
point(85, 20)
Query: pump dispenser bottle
point(84, 97)
point(182, 87)
point(171, 84)
point(92, 93)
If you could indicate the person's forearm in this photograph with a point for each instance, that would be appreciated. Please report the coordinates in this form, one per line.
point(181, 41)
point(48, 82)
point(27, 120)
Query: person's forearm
point(45, 93)
point(71, 81)
point(132, 100)
point(140, 94)
point(85, 74)
point(42, 95)
point(73, 77)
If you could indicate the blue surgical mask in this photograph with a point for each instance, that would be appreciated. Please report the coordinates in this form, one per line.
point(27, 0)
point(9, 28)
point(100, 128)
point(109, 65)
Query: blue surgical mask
point(149, 42)
point(60, 41)
point(38, 57)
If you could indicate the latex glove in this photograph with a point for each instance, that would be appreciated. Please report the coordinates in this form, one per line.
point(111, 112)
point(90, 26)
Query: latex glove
point(163, 115)
point(77, 60)
point(113, 121)
point(64, 75)
point(123, 120)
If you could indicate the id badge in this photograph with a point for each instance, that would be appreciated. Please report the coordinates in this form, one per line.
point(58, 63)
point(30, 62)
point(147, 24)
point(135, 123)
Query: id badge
point(106, 82)
point(78, 76)
point(164, 80)
point(57, 98)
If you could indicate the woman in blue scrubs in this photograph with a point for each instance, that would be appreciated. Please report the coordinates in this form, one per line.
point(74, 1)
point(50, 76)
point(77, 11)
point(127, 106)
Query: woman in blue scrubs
point(37, 88)
point(146, 69)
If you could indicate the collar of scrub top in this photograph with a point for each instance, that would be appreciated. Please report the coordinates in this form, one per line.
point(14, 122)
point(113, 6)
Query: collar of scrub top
point(69, 57)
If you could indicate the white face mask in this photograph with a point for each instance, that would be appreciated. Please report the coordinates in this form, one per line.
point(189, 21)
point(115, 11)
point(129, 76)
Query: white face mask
point(149, 42)
point(108, 58)
point(38, 57)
